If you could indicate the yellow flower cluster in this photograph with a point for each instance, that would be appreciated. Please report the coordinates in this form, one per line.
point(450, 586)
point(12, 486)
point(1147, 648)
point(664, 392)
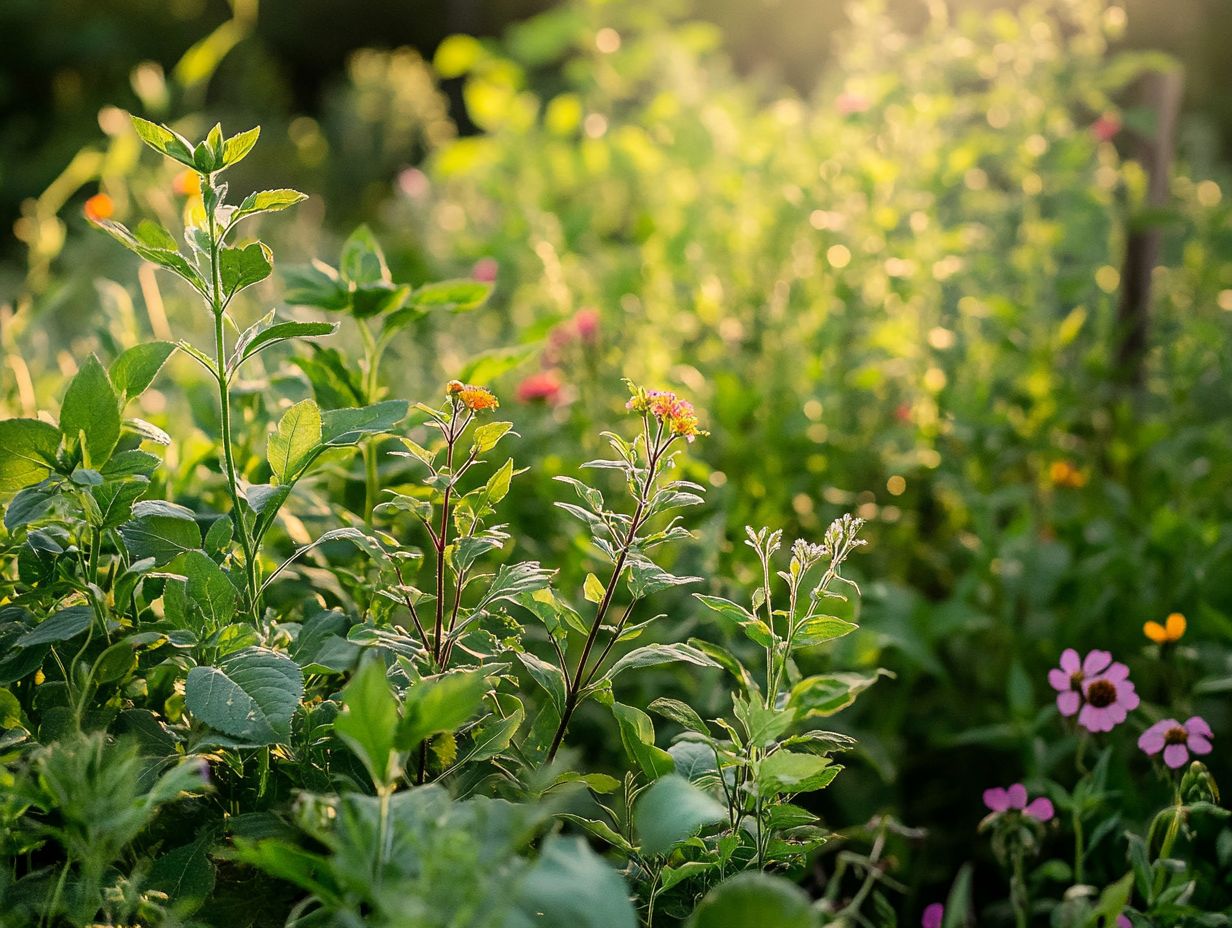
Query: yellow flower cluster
point(678, 415)
point(476, 399)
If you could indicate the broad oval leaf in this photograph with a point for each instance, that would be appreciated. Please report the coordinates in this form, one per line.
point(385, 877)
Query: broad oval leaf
point(136, 367)
point(91, 408)
point(63, 626)
point(672, 810)
point(27, 452)
point(755, 900)
point(251, 695)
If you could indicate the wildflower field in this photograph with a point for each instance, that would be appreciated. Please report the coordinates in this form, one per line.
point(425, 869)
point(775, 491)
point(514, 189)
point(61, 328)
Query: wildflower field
point(564, 479)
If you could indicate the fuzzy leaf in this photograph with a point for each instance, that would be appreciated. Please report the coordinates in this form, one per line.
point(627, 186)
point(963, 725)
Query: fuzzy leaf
point(251, 695)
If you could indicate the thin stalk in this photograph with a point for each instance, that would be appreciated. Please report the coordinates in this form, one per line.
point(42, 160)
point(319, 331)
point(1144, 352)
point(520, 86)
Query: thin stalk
point(372, 360)
point(575, 685)
point(224, 415)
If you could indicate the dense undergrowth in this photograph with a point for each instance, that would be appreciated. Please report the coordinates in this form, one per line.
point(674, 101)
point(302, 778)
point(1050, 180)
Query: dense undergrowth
point(282, 645)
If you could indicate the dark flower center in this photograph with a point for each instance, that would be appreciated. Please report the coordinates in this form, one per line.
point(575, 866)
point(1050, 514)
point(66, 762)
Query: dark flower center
point(1101, 693)
point(1176, 735)
point(1075, 680)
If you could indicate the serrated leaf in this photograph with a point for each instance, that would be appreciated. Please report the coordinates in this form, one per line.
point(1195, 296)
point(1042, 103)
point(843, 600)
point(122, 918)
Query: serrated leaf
point(654, 654)
point(267, 201)
point(163, 140)
point(440, 704)
point(244, 266)
point(185, 874)
point(91, 408)
point(791, 772)
point(369, 721)
point(295, 441)
point(550, 677)
point(160, 531)
point(251, 695)
point(362, 260)
point(238, 146)
point(341, 427)
point(27, 452)
point(276, 333)
point(818, 629)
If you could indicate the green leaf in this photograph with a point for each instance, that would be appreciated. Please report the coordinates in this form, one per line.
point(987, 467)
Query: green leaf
point(362, 260)
point(27, 452)
point(548, 676)
point(754, 628)
point(638, 736)
point(440, 704)
point(818, 629)
point(264, 338)
point(755, 900)
point(238, 146)
point(164, 140)
point(135, 368)
point(672, 810)
point(369, 721)
point(168, 258)
point(63, 626)
point(347, 426)
point(185, 874)
point(293, 444)
point(486, 366)
point(826, 694)
point(30, 504)
point(679, 712)
point(92, 408)
point(571, 886)
point(267, 201)
point(486, 436)
point(208, 588)
point(457, 296)
point(251, 695)
point(244, 266)
point(790, 772)
point(316, 285)
point(160, 530)
point(653, 654)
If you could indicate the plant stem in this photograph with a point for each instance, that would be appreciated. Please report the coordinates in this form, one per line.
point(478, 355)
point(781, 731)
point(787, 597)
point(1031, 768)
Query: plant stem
point(575, 685)
point(224, 415)
point(372, 360)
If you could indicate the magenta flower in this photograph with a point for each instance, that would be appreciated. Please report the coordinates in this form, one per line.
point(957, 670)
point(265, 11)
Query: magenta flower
point(1095, 688)
point(1123, 921)
point(933, 916)
point(1014, 799)
point(1177, 740)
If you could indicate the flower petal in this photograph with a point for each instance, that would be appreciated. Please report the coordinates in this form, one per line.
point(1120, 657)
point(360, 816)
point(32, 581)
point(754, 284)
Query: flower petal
point(1018, 796)
point(1117, 673)
point(1175, 755)
point(1068, 702)
point(1096, 661)
point(1152, 740)
point(934, 915)
point(1176, 625)
point(1058, 679)
point(1199, 745)
point(1070, 661)
point(997, 799)
point(1041, 809)
point(1156, 632)
point(1196, 725)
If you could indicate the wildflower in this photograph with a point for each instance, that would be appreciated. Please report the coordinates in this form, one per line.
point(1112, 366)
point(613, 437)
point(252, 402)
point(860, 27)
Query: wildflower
point(1168, 633)
point(933, 916)
point(413, 183)
point(186, 183)
point(485, 270)
point(849, 103)
point(1065, 474)
point(1014, 799)
point(1106, 127)
point(1122, 921)
point(473, 398)
point(1097, 689)
point(586, 323)
point(677, 415)
point(1177, 740)
point(99, 207)
point(544, 386)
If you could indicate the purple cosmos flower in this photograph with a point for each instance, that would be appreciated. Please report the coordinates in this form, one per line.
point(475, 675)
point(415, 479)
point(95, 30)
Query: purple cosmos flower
point(1123, 921)
point(1177, 740)
point(934, 915)
point(999, 799)
point(1095, 688)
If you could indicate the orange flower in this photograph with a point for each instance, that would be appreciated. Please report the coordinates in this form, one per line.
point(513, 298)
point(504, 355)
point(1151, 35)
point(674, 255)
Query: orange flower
point(1168, 633)
point(1065, 474)
point(473, 398)
point(187, 183)
point(99, 207)
point(678, 415)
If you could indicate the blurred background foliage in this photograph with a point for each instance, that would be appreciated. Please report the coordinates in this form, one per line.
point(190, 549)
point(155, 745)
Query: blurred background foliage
point(880, 244)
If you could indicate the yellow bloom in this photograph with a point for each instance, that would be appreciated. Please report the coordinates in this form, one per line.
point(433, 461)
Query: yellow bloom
point(473, 398)
point(99, 207)
point(1065, 474)
point(1171, 631)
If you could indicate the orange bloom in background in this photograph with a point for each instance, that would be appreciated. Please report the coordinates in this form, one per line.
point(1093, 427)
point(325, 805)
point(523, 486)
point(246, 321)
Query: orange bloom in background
point(586, 322)
point(187, 183)
point(678, 415)
point(544, 386)
point(473, 398)
point(99, 207)
point(1065, 474)
point(1171, 631)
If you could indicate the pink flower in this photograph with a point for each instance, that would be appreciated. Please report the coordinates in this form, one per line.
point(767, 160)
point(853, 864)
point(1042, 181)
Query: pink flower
point(542, 386)
point(485, 270)
point(1106, 128)
point(1122, 921)
point(413, 183)
point(586, 323)
point(1177, 740)
point(849, 103)
point(1095, 689)
point(933, 916)
point(1014, 799)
